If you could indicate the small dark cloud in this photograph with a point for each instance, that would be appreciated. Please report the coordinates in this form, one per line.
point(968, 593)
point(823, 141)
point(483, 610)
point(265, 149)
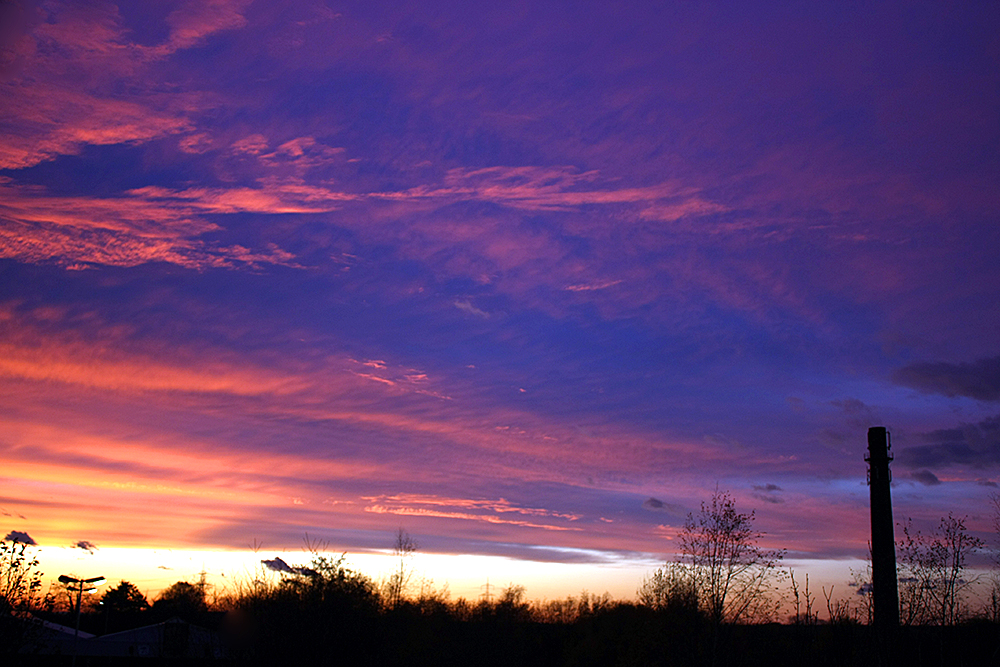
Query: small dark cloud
point(979, 379)
point(973, 445)
point(851, 406)
point(795, 403)
point(20, 537)
point(925, 477)
point(657, 505)
point(86, 545)
point(768, 493)
point(833, 438)
point(163, 567)
point(277, 564)
point(857, 414)
point(986, 482)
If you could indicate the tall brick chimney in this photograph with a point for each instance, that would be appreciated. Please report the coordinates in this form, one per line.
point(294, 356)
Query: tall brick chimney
point(884, 592)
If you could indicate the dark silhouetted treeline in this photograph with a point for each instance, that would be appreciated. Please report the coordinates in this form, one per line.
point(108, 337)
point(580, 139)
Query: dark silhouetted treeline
point(344, 623)
point(326, 613)
point(717, 608)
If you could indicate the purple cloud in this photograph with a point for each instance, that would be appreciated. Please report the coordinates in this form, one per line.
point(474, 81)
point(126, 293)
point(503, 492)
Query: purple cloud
point(768, 493)
point(674, 511)
point(925, 477)
point(86, 545)
point(973, 445)
point(19, 537)
point(277, 564)
point(979, 379)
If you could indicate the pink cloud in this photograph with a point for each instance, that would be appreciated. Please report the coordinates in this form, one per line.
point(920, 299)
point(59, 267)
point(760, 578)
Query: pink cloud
point(233, 481)
point(28, 204)
point(487, 248)
point(424, 512)
point(540, 188)
point(77, 364)
point(111, 363)
point(593, 286)
point(194, 21)
point(498, 506)
point(375, 378)
point(280, 198)
point(63, 96)
point(127, 231)
point(254, 144)
point(464, 509)
point(52, 121)
point(673, 211)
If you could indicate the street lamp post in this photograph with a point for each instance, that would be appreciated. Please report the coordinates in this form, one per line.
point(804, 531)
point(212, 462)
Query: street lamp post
point(81, 585)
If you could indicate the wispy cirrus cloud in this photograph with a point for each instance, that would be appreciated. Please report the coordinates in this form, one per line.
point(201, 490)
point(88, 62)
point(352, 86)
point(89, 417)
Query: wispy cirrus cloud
point(527, 188)
point(60, 122)
point(488, 511)
point(547, 188)
point(99, 31)
point(77, 363)
point(378, 397)
point(498, 505)
point(68, 67)
point(155, 223)
point(126, 231)
point(276, 198)
point(53, 345)
point(192, 22)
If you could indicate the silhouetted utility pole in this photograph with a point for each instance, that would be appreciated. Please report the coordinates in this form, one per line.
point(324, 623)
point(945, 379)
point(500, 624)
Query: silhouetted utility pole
point(81, 585)
point(884, 593)
point(487, 595)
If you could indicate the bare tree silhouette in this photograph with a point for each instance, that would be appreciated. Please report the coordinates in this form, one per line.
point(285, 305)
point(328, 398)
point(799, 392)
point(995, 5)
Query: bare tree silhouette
point(734, 575)
point(20, 579)
point(398, 582)
point(993, 601)
point(933, 571)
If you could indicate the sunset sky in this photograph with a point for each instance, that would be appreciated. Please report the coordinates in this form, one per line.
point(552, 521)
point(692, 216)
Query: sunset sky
point(528, 280)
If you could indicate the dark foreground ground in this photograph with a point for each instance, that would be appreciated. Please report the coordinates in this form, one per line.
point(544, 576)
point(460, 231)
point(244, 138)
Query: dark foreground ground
point(621, 635)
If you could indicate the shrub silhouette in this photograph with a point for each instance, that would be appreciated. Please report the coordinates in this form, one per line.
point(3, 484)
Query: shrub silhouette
point(314, 612)
point(182, 599)
point(124, 598)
